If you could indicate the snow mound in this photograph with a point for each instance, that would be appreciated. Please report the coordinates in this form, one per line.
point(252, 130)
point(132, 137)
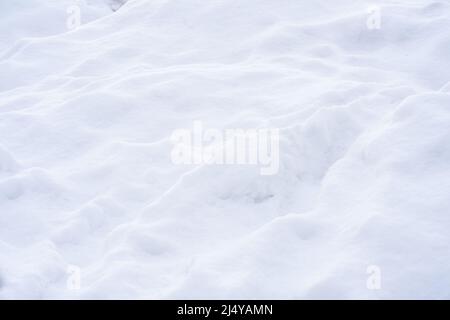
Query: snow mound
point(7, 163)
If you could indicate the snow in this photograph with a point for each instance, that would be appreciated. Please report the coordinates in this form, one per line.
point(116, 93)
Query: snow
point(87, 183)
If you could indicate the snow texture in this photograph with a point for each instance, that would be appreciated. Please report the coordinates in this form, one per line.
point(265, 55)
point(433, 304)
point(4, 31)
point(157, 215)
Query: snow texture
point(86, 177)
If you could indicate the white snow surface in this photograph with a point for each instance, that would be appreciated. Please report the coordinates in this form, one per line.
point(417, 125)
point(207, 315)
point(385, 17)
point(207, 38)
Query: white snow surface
point(86, 177)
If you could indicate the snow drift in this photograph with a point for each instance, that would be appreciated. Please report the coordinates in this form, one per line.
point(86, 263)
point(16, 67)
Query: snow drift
point(86, 177)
